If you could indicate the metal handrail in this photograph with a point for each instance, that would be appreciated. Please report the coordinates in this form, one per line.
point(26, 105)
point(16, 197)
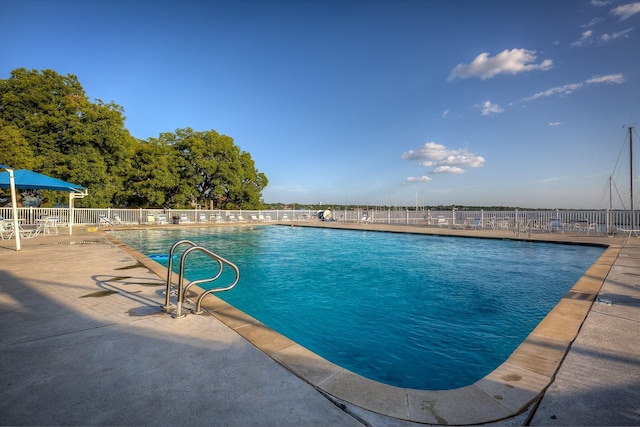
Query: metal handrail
point(220, 261)
point(182, 290)
point(167, 303)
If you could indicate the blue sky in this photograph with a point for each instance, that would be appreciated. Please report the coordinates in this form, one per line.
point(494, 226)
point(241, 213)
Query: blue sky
point(513, 103)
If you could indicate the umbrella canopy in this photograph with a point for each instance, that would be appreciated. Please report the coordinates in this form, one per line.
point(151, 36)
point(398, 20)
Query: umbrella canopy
point(29, 180)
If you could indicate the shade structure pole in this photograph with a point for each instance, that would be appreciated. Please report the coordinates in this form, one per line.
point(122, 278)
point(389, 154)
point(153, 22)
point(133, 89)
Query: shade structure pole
point(71, 199)
point(633, 215)
point(14, 208)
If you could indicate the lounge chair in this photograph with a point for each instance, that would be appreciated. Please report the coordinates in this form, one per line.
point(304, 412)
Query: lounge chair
point(6, 230)
point(240, 218)
point(202, 218)
point(29, 232)
point(285, 217)
point(161, 219)
point(184, 218)
point(105, 222)
point(555, 224)
point(473, 223)
point(231, 218)
point(254, 218)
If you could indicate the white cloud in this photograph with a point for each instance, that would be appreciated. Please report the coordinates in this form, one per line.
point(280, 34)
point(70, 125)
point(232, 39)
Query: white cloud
point(626, 11)
point(448, 169)
point(552, 179)
point(600, 3)
point(442, 159)
point(593, 22)
point(570, 88)
point(422, 178)
point(609, 37)
point(586, 38)
point(490, 108)
point(512, 61)
point(609, 78)
point(445, 113)
point(554, 124)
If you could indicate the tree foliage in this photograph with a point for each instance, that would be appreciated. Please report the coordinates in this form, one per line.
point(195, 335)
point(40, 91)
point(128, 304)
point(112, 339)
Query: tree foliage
point(214, 170)
point(48, 124)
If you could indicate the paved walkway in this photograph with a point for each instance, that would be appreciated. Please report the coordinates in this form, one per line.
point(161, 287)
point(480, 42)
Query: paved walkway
point(598, 383)
point(83, 342)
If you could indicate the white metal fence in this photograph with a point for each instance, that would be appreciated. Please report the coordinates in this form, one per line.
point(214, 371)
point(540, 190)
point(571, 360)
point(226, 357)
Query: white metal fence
point(602, 221)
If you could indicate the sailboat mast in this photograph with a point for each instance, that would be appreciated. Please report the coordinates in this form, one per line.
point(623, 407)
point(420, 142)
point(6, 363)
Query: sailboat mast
point(610, 195)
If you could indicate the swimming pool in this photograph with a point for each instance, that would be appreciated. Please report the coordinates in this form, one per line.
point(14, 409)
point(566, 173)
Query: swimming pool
point(416, 311)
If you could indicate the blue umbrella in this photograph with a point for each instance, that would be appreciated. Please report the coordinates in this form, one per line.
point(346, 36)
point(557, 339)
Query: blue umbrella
point(24, 179)
point(29, 180)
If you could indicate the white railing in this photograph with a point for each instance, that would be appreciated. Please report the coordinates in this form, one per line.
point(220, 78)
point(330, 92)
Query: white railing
point(603, 220)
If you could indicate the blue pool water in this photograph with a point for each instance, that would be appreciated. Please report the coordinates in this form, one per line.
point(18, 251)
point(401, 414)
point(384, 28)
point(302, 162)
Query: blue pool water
point(416, 311)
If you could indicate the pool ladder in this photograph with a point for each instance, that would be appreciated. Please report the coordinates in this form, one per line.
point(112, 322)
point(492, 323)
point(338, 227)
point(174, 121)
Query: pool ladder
point(182, 290)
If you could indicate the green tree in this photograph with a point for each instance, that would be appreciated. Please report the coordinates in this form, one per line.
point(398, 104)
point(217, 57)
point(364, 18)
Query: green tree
point(48, 124)
point(16, 151)
point(70, 137)
point(153, 177)
point(214, 171)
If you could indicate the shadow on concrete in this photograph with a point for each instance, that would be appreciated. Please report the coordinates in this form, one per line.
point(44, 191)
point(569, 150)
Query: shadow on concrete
point(78, 357)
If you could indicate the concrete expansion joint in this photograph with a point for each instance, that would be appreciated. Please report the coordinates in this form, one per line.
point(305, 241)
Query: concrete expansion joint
point(46, 337)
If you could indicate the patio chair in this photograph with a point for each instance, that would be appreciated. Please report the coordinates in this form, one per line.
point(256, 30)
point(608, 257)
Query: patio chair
point(581, 226)
point(502, 224)
point(184, 218)
point(161, 219)
point(49, 223)
point(202, 218)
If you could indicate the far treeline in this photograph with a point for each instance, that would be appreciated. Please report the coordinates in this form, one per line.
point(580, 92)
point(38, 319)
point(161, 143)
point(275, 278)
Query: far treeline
point(49, 125)
point(366, 208)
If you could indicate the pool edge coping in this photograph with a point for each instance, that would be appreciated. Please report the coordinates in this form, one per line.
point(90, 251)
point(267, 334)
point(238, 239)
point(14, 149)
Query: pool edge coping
point(509, 390)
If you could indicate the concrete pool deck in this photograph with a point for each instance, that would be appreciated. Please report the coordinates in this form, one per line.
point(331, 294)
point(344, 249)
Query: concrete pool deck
point(83, 341)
